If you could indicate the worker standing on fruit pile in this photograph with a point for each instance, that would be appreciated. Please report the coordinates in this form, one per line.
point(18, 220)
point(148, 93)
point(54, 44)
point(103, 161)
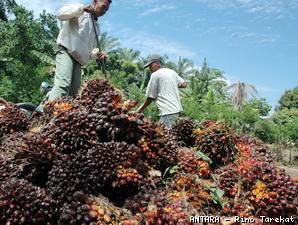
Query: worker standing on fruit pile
point(163, 89)
point(76, 44)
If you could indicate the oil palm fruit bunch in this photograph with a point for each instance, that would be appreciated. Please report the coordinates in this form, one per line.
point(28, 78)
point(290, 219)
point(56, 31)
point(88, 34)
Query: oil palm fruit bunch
point(127, 177)
point(139, 202)
point(159, 146)
point(189, 188)
point(6, 169)
point(61, 105)
point(275, 195)
point(151, 186)
point(90, 210)
point(115, 123)
point(127, 182)
point(12, 119)
point(23, 203)
point(232, 208)
point(91, 170)
point(175, 204)
point(206, 123)
point(73, 131)
point(189, 163)
point(30, 156)
point(94, 90)
point(227, 179)
point(167, 213)
point(217, 141)
point(183, 131)
point(149, 142)
point(169, 147)
point(51, 110)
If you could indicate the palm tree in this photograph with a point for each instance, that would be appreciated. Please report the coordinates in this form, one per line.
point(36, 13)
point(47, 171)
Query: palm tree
point(108, 43)
point(241, 92)
point(128, 54)
point(184, 67)
point(205, 79)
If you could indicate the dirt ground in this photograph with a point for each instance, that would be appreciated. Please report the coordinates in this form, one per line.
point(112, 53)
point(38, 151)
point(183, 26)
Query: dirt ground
point(290, 170)
point(292, 167)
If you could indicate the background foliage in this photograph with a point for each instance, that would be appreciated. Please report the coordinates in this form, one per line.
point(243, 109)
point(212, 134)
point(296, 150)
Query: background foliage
point(27, 52)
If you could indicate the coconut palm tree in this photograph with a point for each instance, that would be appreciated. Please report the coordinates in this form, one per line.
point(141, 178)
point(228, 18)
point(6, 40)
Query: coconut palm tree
point(241, 92)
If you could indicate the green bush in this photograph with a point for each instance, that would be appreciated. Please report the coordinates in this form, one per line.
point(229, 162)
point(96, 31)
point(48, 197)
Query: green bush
point(266, 130)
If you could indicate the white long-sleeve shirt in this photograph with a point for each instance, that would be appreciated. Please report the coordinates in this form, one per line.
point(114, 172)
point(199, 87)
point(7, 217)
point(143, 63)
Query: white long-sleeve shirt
point(77, 33)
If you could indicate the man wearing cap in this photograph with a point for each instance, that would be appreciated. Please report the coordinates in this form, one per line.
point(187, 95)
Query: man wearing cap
point(76, 42)
point(163, 88)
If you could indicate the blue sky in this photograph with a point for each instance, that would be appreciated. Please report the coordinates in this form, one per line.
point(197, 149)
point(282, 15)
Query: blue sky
point(254, 41)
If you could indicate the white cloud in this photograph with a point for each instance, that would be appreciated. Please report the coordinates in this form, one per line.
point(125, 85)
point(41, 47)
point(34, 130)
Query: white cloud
point(149, 44)
point(158, 9)
point(279, 7)
point(51, 6)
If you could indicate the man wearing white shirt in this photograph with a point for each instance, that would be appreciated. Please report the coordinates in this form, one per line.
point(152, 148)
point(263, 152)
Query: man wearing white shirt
point(163, 89)
point(76, 44)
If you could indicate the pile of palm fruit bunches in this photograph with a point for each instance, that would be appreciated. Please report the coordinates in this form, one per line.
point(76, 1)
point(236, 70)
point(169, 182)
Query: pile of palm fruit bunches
point(94, 162)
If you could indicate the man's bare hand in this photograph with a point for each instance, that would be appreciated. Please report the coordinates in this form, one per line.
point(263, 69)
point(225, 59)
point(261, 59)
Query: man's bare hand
point(102, 55)
point(89, 9)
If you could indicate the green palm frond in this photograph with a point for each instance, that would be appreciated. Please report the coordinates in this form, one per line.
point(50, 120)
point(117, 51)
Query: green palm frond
point(43, 57)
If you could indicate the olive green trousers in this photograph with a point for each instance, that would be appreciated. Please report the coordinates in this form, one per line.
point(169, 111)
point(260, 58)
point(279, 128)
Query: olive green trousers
point(67, 79)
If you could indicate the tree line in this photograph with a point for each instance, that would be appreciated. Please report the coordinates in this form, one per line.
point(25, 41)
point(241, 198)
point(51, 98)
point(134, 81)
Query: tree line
point(27, 52)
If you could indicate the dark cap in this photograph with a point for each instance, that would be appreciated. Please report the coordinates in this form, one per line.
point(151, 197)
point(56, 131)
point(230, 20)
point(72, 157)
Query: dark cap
point(151, 59)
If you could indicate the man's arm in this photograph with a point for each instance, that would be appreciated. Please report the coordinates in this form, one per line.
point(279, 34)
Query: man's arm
point(182, 85)
point(180, 82)
point(144, 105)
point(71, 11)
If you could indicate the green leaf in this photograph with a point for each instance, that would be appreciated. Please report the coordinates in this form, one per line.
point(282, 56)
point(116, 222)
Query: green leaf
point(43, 57)
point(201, 155)
point(217, 195)
point(173, 169)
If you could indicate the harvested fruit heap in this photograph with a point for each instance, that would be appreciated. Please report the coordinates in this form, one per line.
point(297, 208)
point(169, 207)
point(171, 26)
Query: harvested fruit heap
point(91, 161)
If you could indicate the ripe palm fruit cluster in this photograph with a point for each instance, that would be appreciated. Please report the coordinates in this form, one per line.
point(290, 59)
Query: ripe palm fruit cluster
point(187, 186)
point(91, 170)
point(12, 119)
point(159, 146)
point(183, 130)
point(275, 194)
point(95, 90)
point(30, 156)
point(228, 179)
point(23, 203)
point(167, 212)
point(169, 150)
point(127, 177)
point(149, 142)
point(91, 210)
point(217, 141)
point(73, 131)
point(5, 168)
point(189, 163)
